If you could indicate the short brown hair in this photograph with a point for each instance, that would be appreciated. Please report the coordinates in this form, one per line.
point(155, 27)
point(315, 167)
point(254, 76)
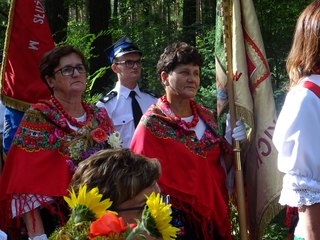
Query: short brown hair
point(178, 53)
point(51, 60)
point(119, 174)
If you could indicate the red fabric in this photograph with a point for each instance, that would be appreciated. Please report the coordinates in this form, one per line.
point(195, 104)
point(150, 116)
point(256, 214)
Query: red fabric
point(50, 178)
point(38, 161)
point(291, 220)
point(312, 87)
point(191, 171)
point(30, 38)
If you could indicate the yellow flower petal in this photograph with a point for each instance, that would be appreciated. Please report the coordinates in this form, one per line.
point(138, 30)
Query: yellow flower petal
point(160, 212)
point(91, 200)
point(73, 198)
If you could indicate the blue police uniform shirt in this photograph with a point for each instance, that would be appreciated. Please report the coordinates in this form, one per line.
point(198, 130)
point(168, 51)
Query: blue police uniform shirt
point(2, 107)
point(12, 119)
point(118, 105)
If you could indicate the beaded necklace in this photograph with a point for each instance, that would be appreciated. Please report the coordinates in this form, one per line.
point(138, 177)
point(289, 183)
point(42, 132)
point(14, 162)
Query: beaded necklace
point(71, 119)
point(195, 119)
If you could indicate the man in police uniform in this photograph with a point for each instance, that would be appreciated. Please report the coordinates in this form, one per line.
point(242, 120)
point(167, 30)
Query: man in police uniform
point(120, 103)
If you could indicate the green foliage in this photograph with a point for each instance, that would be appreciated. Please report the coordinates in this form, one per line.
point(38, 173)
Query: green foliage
point(82, 213)
point(235, 229)
point(274, 231)
point(155, 24)
point(207, 97)
point(4, 11)
point(207, 92)
point(205, 45)
point(74, 3)
point(279, 92)
point(79, 37)
point(140, 21)
point(277, 20)
point(78, 231)
point(90, 81)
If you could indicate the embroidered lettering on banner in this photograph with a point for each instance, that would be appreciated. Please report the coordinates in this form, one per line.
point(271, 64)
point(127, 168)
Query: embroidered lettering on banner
point(33, 45)
point(264, 144)
point(39, 13)
point(38, 18)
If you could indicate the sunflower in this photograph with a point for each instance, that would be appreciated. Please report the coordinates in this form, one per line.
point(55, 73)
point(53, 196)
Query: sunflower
point(156, 218)
point(87, 205)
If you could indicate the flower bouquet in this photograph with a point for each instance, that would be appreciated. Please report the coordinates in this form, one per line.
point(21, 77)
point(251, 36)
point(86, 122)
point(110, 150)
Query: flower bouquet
point(91, 219)
point(92, 140)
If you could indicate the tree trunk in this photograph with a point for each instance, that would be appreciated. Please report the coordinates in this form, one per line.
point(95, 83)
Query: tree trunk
point(99, 15)
point(57, 15)
point(115, 8)
point(208, 12)
point(189, 20)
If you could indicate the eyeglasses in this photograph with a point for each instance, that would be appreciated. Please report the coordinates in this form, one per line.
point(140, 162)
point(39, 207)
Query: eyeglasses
point(69, 70)
point(130, 63)
point(165, 198)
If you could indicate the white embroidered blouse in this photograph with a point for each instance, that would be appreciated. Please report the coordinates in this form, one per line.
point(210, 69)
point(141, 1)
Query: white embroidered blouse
point(297, 139)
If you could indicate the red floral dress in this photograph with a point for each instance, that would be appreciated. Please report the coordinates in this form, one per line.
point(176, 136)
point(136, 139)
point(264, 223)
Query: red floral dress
point(191, 173)
point(39, 162)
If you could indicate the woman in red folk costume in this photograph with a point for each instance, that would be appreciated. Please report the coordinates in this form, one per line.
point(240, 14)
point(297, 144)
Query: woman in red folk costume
point(50, 141)
point(184, 137)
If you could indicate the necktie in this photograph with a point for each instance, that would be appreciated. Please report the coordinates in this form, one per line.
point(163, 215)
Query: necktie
point(136, 110)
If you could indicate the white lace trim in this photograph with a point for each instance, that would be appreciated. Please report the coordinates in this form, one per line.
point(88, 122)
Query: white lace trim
point(298, 191)
point(297, 198)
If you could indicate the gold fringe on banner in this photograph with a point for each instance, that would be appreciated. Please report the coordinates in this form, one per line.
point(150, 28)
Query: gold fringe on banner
point(15, 104)
point(6, 44)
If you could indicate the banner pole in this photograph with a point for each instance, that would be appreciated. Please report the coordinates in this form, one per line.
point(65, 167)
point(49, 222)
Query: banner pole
point(227, 30)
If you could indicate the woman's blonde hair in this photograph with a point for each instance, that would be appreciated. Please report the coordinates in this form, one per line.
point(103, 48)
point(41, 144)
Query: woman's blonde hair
point(304, 54)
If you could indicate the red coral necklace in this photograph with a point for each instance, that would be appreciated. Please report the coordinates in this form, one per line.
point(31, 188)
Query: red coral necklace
point(195, 119)
point(71, 119)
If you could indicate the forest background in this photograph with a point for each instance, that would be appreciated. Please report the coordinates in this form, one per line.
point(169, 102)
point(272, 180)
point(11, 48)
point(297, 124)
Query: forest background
point(93, 25)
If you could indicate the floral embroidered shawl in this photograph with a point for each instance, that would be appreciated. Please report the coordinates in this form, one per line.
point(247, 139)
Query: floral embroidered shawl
point(192, 173)
point(38, 161)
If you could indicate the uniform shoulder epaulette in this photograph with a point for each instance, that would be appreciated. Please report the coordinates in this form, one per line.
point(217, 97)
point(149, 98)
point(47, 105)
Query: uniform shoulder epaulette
point(109, 96)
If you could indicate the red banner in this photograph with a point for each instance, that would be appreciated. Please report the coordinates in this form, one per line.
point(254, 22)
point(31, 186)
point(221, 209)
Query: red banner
point(28, 38)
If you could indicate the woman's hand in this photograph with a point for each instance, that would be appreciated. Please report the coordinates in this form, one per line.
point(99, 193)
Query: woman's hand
point(238, 133)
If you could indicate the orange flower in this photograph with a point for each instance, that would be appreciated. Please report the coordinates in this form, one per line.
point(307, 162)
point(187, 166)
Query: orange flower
point(109, 225)
point(99, 135)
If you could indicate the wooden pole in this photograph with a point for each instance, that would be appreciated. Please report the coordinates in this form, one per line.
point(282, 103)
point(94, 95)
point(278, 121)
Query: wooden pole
point(227, 29)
